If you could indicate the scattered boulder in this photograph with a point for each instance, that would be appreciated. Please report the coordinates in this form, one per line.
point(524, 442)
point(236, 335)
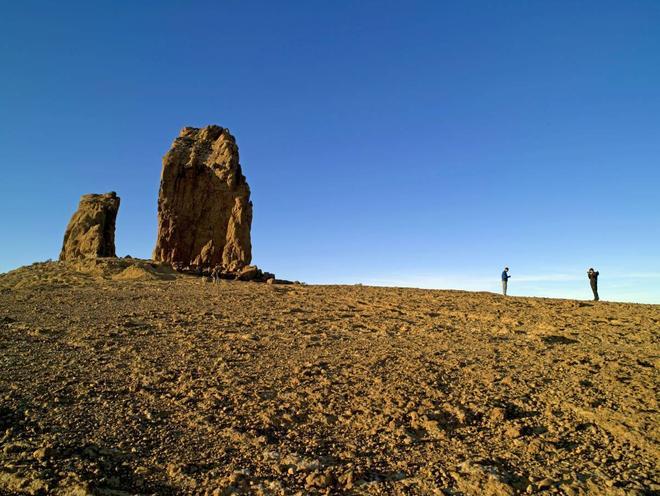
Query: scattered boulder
point(204, 207)
point(254, 273)
point(91, 230)
point(250, 273)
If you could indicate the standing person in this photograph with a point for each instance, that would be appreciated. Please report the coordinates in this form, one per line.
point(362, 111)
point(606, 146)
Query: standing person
point(505, 279)
point(215, 273)
point(593, 280)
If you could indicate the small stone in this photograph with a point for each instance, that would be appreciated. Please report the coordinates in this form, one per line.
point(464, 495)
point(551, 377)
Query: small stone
point(173, 469)
point(497, 415)
point(43, 453)
point(546, 484)
point(513, 431)
point(316, 479)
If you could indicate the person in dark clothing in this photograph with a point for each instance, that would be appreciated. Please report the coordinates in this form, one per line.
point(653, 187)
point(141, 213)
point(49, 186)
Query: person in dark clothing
point(593, 280)
point(505, 279)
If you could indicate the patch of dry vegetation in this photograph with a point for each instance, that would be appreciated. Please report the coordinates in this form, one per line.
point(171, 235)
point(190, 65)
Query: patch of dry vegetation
point(127, 379)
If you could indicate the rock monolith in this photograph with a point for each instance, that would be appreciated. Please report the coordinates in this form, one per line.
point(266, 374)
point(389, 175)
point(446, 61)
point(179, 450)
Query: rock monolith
point(204, 207)
point(91, 230)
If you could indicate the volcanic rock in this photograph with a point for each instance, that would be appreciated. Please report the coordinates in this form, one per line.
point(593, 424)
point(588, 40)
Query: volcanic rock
point(204, 207)
point(91, 230)
point(250, 273)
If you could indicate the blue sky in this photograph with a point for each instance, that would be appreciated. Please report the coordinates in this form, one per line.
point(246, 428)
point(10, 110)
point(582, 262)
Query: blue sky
point(402, 143)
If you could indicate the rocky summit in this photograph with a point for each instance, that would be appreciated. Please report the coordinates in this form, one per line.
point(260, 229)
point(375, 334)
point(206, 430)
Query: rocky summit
point(91, 230)
point(204, 207)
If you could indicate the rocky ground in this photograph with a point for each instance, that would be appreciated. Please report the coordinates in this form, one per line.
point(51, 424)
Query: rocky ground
point(127, 379)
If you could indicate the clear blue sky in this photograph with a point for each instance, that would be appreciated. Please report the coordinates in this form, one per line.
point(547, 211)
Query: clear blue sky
point(402, 143)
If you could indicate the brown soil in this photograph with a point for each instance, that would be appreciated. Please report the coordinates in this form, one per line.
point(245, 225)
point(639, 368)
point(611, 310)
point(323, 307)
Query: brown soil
point(151, 383)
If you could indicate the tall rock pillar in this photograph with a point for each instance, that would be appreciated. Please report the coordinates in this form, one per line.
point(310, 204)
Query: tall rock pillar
point(204, 207)
point(91, 230)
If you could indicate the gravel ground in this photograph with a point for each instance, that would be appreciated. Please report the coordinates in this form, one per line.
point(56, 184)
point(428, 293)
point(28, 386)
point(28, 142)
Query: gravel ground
point(160, 384)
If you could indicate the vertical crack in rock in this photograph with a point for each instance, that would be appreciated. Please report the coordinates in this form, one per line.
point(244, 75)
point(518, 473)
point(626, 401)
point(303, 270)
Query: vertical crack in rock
point(204, 207)
point(91, 230)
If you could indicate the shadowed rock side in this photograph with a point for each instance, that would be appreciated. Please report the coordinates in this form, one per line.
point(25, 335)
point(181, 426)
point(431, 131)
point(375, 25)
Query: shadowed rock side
point(204, 208)
point(91, 230)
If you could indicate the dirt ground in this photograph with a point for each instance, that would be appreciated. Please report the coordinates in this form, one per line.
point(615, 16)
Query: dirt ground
point(130, 380)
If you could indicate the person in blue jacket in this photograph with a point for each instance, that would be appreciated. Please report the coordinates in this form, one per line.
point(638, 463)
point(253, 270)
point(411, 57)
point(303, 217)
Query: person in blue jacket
point(505, 279)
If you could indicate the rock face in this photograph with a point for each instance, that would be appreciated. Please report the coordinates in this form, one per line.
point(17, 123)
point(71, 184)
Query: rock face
point(204, 208)
point(91, 230)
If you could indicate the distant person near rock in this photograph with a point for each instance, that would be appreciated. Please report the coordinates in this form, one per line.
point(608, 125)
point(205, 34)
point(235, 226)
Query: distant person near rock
point(593, 281)
point(216, 274)
point(505, 280)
